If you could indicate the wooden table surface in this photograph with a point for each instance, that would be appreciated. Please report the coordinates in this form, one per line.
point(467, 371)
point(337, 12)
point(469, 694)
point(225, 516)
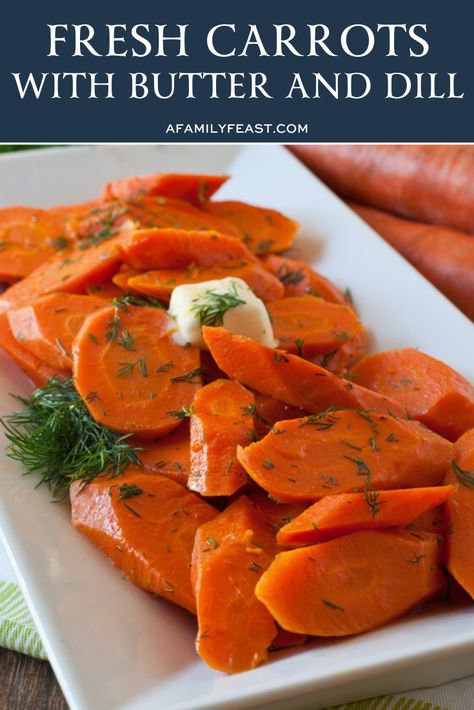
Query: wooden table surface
point(28, 684)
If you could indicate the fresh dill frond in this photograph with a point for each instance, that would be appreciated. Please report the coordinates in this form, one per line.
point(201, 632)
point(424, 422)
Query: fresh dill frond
point(130, 300)
point(211, 307)
point(465, 477)
point(55, 436)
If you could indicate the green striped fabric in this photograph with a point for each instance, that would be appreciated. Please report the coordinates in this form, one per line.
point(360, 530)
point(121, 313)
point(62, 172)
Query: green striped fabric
point(17, 630)
point(389, 703)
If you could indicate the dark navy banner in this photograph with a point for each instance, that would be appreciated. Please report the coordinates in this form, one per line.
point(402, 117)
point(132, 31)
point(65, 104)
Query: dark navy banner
point(294, 71)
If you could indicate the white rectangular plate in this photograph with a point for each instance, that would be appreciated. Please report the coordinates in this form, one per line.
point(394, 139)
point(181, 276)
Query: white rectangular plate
point(113, 646)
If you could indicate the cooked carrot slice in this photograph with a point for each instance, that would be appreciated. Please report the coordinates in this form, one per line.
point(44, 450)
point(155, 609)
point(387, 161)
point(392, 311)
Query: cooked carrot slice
point(430, 390)
point(230, 554)
point(343, 451)
point(196, 189)
point(177, 214)
point(300, 280)
point(146, 526)
point(97, 222)
point(459, 512)
point(38, 371)
point(274, 513)
point(287, 377)
point(351, 584)
point(175, 248)
point(168, 455)
point(161, 283)
point(310, 326)
point(337, 515)
point(123, 276)
point(287, 639)
point(106, 290)
point(131, 373)
point(221, 420)
point(48, 326)
point(264, 230)
point(268, 411)
point(73, 271)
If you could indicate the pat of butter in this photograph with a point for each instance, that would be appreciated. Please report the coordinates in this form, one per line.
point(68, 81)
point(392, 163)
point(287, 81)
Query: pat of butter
point(229, 303)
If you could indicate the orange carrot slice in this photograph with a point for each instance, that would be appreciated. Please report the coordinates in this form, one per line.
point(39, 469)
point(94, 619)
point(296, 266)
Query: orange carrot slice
point(342, 451)
point(289, 378)
point(168, 455)
point(337, 515)
point(430, 390)
point(221, 420)
point(161, 283)
point(196, 189)
point(176, 248)
point(264, 230)
point(300, 280)
point(146, 526)
point(230, 554)
point(309, 326)
point(351, 584)
point(48, 326)
point(38, 371)
point(131, 373)
point(269, 411)
point(459, 512)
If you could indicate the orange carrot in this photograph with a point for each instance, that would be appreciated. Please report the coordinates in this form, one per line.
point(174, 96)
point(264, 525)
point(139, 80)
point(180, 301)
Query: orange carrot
point(287, 377)
point(122, 277)
point(345, 451)
point(73, 271)
point(430, 390)
point(221, 420)
point(429, 183)
point(264, 230)
point(310, 326)
point(275, 514)
point(38, 371)
point(161, 283)
point(230, 554)
point(168, 455)
point(196, 189)
point(146, 526)
point(175, 248)
point(300, 280)
point(106, 290)
point(445, 256)
point(337, 515)
point(460, 514)
point(48, 326)
point(131, 373)
point(287, 639)
point(269, 411)
point(352, 584)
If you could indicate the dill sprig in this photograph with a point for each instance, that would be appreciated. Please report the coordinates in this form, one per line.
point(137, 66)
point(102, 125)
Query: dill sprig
point(54, 435)
point(211, 307)
point(465, 477)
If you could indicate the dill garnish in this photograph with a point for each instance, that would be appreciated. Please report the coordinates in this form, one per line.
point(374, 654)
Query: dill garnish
point(331, 605)
point(128, 490)
point(299, 346)
point(55, 435)
point(372, 500)
point(278, 358)
point(126, 340)
point(211, 307)
point(465, 477)
point(165, 366)
point(193, 377)
point(361, 465)
point(182, 413)
point(129, 300)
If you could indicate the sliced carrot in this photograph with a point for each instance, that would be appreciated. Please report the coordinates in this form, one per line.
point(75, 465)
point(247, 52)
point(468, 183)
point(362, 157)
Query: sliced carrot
point(94, 224)
point(310, 326)
point(459, 511)
point(168, 456)
point(106, 290)
point(221, 420)
point(287, 639)
point(337, 515)
point(73, 271)
point(196, 189)
point(230, 554)
point(122, 277)
point(430, 390)
point(146, 527)
point(27, 238)
point(300, 280)
point(287, 377)
point(177, 214)
point(160, 284)
point(175, 248)
point(264, 230)
point(268, 411)
point(131, 373)
point(432, 521)
point(276, 515)
point(38, 371)
point(345, 451)
point(352, 584)
point(48, 326)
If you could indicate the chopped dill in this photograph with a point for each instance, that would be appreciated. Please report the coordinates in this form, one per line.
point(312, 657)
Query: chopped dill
point(211, 307)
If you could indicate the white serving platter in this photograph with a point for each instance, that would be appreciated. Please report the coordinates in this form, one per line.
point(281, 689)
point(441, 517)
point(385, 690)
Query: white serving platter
point(114, 647)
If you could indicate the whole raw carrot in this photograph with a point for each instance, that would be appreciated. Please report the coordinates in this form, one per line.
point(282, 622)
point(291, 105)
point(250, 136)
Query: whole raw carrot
point(445, 256)
point(428, 183)
point(351, 584)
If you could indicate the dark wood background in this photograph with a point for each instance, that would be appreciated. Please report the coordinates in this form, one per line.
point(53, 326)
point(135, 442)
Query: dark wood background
point(28, 684)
